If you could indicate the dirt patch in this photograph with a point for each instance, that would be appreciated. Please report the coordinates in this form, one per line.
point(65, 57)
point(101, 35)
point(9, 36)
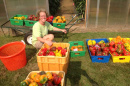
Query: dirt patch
point(16, 77)
point(32, 66)
point(3, 73)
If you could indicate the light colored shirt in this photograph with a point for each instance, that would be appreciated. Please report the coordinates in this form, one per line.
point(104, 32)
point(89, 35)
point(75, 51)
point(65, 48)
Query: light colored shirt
point(39, 30)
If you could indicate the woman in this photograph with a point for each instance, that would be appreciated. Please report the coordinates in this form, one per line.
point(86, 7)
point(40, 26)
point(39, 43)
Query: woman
point(40, 30)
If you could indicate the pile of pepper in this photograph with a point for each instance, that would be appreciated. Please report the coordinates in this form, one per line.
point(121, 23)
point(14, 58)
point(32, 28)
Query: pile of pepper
point(42, 79)
point(77, 48)
point(53, 51)
point(120, 46)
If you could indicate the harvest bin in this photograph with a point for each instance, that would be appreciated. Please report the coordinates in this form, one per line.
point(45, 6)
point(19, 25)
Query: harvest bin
point(16, 21)
point(99, 59)
point(59, 25)
point(13, 55)
point(77, 53)
point(120, 59)
point(61, 73)
point(54, 63)
point(30, 22)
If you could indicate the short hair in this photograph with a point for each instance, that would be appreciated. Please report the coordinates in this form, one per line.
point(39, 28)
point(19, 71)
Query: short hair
point(41, 10)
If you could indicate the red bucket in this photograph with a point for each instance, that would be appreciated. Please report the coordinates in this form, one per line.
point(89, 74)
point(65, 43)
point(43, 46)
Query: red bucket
point(13, 55)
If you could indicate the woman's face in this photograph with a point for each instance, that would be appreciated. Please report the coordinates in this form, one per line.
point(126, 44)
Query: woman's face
point(42, 16)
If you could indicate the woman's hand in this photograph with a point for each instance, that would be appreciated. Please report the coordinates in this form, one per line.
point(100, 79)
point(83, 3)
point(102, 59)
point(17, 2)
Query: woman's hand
point(57, 29)
point(64, 31)
point(48, 42)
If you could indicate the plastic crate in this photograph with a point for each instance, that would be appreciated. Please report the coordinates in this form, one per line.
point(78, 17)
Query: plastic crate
point(59, 25)
point(61, 73)
point(112, 38)
point(99, 59)
point(77, 53)
point(54, 63)
point(30, 22)
point(18, 22)
point(120, 59)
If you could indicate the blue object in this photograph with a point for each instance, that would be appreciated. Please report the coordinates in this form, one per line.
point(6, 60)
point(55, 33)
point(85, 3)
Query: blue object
point(51, 23)
point(99, 59)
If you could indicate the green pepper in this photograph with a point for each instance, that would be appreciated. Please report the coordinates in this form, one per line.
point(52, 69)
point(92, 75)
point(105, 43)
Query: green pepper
point(44, 80)
point(24, 83)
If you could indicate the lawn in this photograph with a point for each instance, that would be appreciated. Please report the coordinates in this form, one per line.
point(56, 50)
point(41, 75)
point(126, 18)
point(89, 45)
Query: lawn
point(81, 70)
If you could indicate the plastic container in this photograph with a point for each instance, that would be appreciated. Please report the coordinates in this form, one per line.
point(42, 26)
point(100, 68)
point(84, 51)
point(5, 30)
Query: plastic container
point(16, 21)
point(99, 59)
point(59, 25)
point(29, 22)
point(61, 74)
point(120, 59)
point(13, 55)
point(77, 53)
point(112, 38)
point(54, 63)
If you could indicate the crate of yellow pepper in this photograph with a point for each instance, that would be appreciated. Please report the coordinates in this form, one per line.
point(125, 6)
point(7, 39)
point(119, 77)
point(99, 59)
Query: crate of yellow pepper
point(18, 19)
point(53, 58)
point(59, 22)
point(77, 48)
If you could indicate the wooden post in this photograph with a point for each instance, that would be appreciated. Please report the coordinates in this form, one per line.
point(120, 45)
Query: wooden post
point(87, 12)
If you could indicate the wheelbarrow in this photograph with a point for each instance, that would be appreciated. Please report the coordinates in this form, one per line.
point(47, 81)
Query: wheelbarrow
point(28, 33)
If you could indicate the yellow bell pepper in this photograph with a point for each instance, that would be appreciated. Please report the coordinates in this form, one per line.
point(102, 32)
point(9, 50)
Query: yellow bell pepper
point(59, 54)
point(93, 42)
point(89, 42)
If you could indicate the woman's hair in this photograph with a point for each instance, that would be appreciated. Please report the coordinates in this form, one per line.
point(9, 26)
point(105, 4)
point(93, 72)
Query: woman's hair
point(41, 10)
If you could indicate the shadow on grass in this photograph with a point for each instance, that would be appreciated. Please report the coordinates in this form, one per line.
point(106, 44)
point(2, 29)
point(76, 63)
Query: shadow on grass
point(74, 74)
point(30, 52)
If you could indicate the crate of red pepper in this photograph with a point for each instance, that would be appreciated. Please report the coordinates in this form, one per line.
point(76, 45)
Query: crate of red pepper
point(44, 78)
point(54, 58)
point(120, 49)
point(98, 50)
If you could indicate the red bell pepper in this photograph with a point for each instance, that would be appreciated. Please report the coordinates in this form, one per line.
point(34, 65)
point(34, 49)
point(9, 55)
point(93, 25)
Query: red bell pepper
point(93, 52)
point(115, 54)
point(57, 80)
point(44, 50)
point(116, 46)
point(126, 53)
point(106, 49)
point(59, 48)
point(40, 53)
point(63, 52)
point(120, 54)
point(51, 53)
point(102, 44)
point(112, 43)
point(105, 53)
point(112, 49)
point(49, 83)
point(98, 49)
point(54, 74)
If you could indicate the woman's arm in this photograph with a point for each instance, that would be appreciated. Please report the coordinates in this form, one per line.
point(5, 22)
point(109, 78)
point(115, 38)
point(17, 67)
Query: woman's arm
point(57, 29)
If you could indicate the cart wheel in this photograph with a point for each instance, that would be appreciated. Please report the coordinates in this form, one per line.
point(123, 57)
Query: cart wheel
point(28, 38)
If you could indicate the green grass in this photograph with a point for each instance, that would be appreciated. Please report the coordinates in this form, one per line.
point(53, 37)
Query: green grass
point(81, 70)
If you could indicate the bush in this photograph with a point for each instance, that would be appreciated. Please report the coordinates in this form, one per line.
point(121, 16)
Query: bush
point(54, 6)
point(80, 6)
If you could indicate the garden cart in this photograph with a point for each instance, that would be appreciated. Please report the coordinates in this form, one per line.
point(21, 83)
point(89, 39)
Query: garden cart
point(28, 30)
